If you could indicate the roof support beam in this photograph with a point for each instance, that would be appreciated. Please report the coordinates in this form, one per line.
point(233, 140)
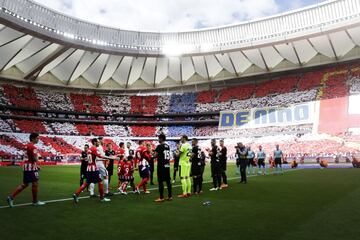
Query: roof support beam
point(246, 57)
point(60, 50)
point(102, 71)
point(82, 57)
point(93, 61)
point(232, 64)
point(10, 59)
point(72, 72)
point(207, 69)
point(181, 72)
point(13, 40)
point(155, 73)
point(332, 47)
point(28, 56)
point(193, 64)
point(5, 65)
point(262, 57)
point(296, 54)
point(351, 39)
point(118, 65)
point(312, 45)
point(129, 73)
point(143, 66)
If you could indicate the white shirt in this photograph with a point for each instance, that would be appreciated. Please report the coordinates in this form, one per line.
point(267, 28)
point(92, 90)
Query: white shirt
point(100, 161)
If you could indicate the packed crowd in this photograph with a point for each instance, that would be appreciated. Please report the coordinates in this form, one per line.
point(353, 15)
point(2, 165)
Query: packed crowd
point(309, 146)
point(329, 83)
point(280, 91)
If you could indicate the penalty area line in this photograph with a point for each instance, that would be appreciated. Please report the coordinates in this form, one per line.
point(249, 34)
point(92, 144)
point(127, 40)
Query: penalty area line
point(117, 193)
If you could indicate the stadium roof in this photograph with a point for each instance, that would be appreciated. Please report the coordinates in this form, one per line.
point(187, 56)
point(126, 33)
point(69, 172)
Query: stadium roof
point(40, 45)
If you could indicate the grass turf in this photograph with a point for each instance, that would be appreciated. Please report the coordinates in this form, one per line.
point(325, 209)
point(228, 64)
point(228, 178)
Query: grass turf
point(304, 204)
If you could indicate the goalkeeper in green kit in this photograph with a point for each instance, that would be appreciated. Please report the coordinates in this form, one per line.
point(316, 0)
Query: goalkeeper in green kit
point(185, 166)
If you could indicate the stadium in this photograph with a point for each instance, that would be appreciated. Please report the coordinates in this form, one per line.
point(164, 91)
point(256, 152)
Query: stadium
point(271, 101)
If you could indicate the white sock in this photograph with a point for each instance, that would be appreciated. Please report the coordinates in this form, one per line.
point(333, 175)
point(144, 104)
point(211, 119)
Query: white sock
point(91, 188)
point(106, 186)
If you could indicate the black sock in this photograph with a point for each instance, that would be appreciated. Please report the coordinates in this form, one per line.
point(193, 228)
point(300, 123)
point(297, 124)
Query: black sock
point(195, 183)
point(169, 188)
point(215, 181)
point(224, 177)
point(161, 189)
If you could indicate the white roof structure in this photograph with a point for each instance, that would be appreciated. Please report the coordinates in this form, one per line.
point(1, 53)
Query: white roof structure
point(40, 45)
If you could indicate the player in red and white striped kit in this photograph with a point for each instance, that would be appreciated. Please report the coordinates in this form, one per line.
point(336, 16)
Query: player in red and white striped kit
point(139, 152)
point(31, 172)
point(92, 172)
point(144, 168)
point(126, 175)
point(122, 154)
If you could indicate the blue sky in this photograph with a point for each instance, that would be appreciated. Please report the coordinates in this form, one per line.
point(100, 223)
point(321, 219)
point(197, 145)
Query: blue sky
point(172, 15)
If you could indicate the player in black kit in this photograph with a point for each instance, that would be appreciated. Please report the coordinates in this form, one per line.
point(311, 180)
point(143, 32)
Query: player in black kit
point(196, 167)
point(162, 153)
point(84, 163)
point(223, 160)
point(215, 165)
point(176, 162)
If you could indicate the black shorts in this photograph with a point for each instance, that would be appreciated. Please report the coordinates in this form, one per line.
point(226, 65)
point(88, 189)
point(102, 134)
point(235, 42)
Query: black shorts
point(163, 175)
point(83, 175)
point(151, 163)
point(93, 177)
point(30, 177)
point(261, 162)
point(278, 161)
point(176, 165)
point(83, 170)
point(110, 170)
point(196, 170)
point(144, 174)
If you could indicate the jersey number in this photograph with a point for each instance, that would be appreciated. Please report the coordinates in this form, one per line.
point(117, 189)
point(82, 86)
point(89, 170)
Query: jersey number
point(167, 155)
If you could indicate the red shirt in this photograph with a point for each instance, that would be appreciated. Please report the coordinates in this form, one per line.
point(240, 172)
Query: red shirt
point(146, 155)
point(126, 169)
point(32, 154)
point(93, 152)
point(121, 153)
point(139, 154)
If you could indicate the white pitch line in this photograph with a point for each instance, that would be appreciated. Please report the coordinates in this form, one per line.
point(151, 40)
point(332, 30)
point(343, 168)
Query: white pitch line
point(117, 193)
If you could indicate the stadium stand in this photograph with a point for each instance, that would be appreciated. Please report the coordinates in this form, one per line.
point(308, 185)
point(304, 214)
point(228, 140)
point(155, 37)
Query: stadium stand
point(206, 96)
point(21, 97)
point(64, 139)
point(54, 100)
point(182, 103)
point(116, 104)
point(59, 145)
point(27, 126)
point(176, 131)
point(143, 131)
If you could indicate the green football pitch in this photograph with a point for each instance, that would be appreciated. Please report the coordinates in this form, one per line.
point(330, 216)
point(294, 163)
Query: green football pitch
point(301, 204)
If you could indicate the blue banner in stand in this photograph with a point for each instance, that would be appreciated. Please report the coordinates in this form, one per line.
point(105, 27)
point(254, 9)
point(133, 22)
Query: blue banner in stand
point(264, 117)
